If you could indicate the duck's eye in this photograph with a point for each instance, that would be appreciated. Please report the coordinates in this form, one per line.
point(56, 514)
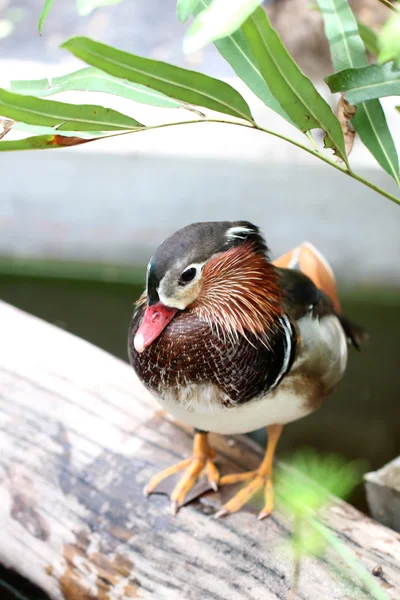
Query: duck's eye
point(188, 275)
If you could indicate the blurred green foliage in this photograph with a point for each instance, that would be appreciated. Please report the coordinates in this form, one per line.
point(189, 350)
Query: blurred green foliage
point(307, 486)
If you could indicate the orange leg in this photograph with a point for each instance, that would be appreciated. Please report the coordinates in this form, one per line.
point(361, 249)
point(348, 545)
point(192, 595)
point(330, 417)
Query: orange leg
point(203, 457)
point(262, 478)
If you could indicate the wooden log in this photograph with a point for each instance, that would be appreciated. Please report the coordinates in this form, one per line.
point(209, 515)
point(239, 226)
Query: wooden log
point(79, 438)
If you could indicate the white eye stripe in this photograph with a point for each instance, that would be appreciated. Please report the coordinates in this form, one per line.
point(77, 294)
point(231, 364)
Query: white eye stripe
point(238, 232)
point(172, 293)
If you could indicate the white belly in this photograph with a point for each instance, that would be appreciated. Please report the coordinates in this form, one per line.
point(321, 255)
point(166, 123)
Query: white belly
point(277, 407)
point(199, 405)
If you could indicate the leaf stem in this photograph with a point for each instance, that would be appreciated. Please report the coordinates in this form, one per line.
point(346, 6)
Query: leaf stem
point(334, 164)
point(297, 533)
point(296, 578)
point(316, 153)
point(374, 187)
point(313, 142)
point(388, 4)
point(350, 560)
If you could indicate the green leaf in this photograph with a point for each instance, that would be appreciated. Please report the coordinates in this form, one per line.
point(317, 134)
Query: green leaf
point(366, 83)
point(347, 51)
point(72, 117)
point(369, 37)
point(85, 7)
point(220, 19)
point(348, 559)
point(367, 34)
point(389, 40)
point(93, 80)
point(184, 9)
point(371, 125)
point(41, 142)
point(308, 542)
point(41, 130)
point(295, 92)
point(237, 53)
point(346, 46)
point(43, 15)
point(175, 82)
point(332, 477)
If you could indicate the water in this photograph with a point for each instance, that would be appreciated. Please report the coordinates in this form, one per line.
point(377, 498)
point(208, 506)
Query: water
point(360, 420)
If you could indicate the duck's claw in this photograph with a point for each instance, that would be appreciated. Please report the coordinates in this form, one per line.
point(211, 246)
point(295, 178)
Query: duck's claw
point(268, 501)
point(189, 478)
point(256, 483)
point(212, 474)
point(237, 477)
point(159, 477)
point(203, 458)
point(257, 480)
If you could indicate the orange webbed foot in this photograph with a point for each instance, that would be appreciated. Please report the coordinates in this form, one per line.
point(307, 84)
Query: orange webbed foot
point(203, 458)
point(257, 480)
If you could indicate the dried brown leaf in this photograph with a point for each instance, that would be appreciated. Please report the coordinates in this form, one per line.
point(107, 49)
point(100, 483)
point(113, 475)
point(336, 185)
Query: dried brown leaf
point(6, 125)
point(345, 113)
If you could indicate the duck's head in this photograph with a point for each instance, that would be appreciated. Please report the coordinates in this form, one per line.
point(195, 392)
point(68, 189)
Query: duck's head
point(218, 269)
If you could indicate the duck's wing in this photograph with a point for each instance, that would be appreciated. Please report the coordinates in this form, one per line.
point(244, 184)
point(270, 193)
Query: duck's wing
point(307, 259)
point(309, 286)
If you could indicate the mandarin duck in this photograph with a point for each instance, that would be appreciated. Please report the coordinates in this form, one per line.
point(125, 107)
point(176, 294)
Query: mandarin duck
point(229, 342)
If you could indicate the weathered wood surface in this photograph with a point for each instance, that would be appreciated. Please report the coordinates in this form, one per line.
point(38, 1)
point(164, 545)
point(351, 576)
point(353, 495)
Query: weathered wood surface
point(79, 438)
point(383, 494)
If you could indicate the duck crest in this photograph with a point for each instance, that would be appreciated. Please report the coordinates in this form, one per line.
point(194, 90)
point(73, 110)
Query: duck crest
point(240, 293)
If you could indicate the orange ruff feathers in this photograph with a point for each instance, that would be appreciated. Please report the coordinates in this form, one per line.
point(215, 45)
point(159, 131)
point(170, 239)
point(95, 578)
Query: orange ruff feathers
point(240, 292)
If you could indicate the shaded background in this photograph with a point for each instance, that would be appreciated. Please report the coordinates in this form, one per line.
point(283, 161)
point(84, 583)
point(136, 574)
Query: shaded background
point(78, 226)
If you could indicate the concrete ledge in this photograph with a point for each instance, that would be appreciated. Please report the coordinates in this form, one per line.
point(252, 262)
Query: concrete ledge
point(383, 494)
point(115, 208)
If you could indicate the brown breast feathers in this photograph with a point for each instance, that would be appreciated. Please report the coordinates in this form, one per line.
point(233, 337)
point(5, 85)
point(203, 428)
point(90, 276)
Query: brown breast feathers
point(188, 351)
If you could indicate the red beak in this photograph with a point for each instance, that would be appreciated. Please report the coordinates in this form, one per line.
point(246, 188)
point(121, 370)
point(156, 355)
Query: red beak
point(155, 320)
